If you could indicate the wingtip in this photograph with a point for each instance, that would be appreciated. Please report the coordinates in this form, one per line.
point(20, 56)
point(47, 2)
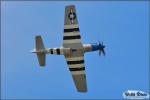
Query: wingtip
point(70, 6)
point(42, 65)
point(83, 91)
point(37, 36)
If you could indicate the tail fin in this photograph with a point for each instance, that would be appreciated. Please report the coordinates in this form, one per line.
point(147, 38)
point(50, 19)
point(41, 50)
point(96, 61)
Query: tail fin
point(40, 46)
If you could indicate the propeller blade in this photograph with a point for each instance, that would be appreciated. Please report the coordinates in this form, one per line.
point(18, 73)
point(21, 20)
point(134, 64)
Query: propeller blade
point(99, 52)
point(103, 52)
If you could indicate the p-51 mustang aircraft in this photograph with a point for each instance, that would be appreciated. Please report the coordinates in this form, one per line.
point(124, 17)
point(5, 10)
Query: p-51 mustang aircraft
point(72, 49)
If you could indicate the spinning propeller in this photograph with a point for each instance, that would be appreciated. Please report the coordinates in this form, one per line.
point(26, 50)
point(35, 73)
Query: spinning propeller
point(101, 50)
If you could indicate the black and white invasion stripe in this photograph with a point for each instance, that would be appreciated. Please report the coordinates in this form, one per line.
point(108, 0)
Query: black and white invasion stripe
point(76, 65)
point(72, 34)
point(57, 51)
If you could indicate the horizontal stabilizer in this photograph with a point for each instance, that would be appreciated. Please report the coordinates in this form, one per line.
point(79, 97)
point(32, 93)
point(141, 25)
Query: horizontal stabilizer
point(39, 47)
point(39, 43)
point(41, 58)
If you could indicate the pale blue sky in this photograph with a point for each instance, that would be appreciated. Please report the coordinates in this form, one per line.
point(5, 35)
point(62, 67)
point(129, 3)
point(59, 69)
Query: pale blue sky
point(122, 26)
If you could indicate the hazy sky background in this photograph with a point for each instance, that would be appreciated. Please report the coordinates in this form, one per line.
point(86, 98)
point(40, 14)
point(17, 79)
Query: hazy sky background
point(122, 26)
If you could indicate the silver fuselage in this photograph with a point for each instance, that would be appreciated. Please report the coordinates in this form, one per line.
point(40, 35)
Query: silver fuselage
point(66, 51)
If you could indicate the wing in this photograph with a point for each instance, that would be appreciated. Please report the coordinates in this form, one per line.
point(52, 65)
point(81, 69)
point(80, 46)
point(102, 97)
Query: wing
point(72, 39)
point(71, 28)
point(77, 69)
